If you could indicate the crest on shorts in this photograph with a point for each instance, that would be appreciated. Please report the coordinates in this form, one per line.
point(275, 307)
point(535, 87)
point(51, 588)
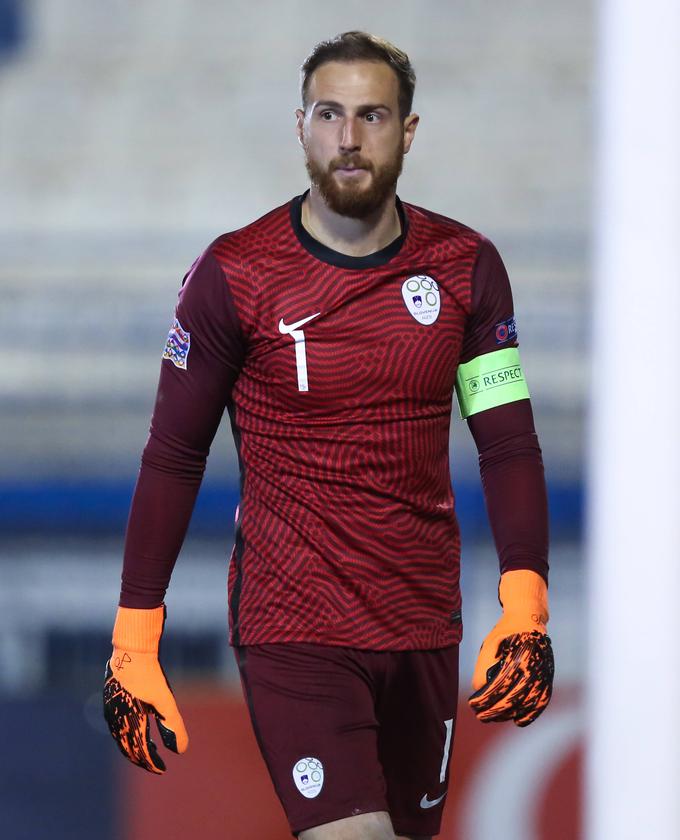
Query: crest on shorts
point(422, 299)
point(177, 345)
point(308, 776)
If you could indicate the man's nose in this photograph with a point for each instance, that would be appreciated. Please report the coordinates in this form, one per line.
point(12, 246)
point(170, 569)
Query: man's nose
point(350, 140)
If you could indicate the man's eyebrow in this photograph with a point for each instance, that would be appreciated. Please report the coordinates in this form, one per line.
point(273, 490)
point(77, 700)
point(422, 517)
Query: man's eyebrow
point(362, 109)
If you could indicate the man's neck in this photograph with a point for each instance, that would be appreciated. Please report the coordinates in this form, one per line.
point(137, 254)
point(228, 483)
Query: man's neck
point(353, 237)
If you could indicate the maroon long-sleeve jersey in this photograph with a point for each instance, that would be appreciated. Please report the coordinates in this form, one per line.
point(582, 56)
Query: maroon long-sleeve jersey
point(338, 374)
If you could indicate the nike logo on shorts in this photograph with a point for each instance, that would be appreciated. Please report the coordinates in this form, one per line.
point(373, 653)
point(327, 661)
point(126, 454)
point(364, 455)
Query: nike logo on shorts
point(286, 329)
point(426, 803)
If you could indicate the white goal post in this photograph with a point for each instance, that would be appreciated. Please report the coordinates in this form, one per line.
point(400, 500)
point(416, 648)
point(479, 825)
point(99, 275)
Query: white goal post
point(633, 678)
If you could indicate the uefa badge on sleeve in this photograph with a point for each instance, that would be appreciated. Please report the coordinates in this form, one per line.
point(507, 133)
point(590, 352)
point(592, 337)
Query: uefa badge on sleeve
point(506, 330)
point(177, 346)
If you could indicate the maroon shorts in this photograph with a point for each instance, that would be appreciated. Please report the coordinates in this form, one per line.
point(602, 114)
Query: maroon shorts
point(346, 732)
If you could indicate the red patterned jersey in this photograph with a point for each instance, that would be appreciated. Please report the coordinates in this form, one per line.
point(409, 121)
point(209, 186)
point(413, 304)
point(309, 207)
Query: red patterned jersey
point(338, 374)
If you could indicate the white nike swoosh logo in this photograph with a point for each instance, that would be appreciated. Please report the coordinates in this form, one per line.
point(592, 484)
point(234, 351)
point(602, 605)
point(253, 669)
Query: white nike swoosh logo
point(425, 802)
point(288, 328)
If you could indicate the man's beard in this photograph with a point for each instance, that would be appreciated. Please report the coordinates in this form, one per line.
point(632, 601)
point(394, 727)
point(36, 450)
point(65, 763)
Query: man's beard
point(352, 200)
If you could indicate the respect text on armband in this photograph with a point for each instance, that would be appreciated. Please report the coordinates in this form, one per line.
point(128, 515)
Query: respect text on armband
point(495, 378)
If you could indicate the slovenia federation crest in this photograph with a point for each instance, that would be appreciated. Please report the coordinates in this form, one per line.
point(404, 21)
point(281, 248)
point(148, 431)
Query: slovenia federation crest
point(177, 345)
point(422, 299)
point(308, 776)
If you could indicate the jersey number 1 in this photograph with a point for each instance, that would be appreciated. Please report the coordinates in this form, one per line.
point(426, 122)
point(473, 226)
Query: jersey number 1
point(298, 337)
point(301, 360)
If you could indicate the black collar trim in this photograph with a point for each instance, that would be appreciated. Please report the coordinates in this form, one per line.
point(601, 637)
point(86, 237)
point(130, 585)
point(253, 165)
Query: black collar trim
point(328, 255)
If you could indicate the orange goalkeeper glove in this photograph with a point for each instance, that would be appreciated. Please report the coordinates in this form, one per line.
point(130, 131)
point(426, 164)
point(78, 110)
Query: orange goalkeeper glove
point(137, 688)
point(514, 672)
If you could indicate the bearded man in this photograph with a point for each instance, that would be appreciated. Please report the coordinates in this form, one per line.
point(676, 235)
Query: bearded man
point(335, 330)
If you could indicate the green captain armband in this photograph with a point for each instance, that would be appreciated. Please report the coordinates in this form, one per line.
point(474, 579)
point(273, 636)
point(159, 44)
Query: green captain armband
point(492, 379)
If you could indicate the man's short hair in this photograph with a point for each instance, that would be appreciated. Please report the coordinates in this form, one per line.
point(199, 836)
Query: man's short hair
point(362, 46)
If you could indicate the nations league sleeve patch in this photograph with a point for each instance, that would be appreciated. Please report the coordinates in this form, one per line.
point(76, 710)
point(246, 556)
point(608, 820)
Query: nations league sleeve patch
point(177, 346)
point(506, 330)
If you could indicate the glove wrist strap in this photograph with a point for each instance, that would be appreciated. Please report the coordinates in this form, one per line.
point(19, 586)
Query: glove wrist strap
point(138, 630)
point(523, 591)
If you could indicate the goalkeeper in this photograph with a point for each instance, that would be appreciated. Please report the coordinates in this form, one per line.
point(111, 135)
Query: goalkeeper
point(335, 330)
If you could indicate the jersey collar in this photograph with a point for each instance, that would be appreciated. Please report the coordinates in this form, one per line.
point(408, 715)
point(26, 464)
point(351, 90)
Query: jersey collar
point(328, 255)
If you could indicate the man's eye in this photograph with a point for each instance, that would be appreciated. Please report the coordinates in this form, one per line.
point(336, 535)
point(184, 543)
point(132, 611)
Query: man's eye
point(327, 115)
point(372, 117)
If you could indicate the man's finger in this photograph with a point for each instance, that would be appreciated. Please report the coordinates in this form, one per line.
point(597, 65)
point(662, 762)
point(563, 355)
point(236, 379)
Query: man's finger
point(494, 700)
point(170, 724)
point(167, 735)
point(128, 721)
point(521, 687)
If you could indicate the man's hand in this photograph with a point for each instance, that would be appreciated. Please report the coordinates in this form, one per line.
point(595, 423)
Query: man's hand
point(137, 688)
point(515, 667)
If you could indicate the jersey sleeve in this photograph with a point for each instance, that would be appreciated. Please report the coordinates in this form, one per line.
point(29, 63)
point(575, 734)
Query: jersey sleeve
point(489, 373)
point(201, 361)
point(493, 395)
point(511, 470)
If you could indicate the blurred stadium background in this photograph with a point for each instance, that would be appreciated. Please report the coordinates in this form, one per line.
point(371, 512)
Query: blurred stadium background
point(131, 134)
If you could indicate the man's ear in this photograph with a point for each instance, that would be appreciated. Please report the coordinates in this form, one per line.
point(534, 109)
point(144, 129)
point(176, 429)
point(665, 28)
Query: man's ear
point(410, 125)
point(300, 125)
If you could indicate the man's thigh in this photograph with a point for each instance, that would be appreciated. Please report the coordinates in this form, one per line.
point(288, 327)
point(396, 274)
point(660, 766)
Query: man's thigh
point(313, 713)
point(364, 827)
point(417, 715)
point(375, 826)
point(349, 735)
